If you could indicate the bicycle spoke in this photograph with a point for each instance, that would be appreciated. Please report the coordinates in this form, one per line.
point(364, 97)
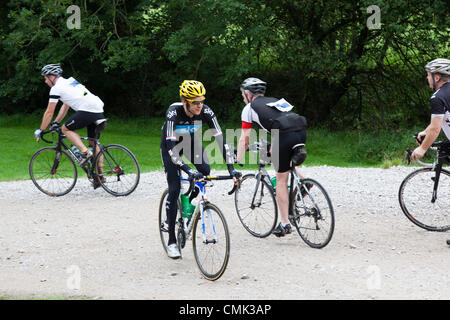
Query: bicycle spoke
point(260, 219)
point(211, 243)
point(416, 194)
point(53, 172)
point(118, 170)
point(313, 215)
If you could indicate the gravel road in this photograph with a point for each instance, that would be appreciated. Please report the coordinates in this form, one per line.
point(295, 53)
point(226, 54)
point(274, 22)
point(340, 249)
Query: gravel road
point(91, 244)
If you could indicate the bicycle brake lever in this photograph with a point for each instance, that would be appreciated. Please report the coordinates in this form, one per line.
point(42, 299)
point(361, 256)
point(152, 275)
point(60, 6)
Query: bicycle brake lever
point(235, 187)
point(408, 155)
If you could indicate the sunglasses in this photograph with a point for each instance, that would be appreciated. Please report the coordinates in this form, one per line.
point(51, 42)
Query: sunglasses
point(196, 102)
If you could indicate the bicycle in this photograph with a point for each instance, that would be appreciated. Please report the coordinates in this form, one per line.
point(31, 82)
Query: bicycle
point(424, 193)
point(310, 207)
point(114, 167)
point(255, 201)
point(206, 226)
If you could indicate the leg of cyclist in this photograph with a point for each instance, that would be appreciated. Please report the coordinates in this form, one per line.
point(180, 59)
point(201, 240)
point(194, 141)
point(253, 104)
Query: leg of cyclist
point(173, 182)
point(281, 158)
point(79, 120)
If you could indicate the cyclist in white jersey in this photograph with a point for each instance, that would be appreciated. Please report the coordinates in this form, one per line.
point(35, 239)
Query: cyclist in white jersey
point(87, 106)
point(438, 75)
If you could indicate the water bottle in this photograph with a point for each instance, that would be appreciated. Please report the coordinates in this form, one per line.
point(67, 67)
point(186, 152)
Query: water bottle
point(274, 181)
point(186, 207)
point(76, 152)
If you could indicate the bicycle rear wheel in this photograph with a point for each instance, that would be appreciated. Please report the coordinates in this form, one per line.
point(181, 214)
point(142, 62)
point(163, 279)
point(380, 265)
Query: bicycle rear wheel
point(162, 219)
point(211, 242)
point(415, 197)
point(258, 216)
point(312, 213)
point(53, 172)
point(117, 170)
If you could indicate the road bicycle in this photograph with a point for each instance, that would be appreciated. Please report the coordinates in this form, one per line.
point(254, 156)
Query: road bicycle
point(424, 195)
point(207, 227)
point(310, 208)
point(53, 169)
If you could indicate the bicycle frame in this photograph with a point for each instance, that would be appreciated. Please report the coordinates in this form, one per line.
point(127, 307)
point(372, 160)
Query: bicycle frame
point(199, 209)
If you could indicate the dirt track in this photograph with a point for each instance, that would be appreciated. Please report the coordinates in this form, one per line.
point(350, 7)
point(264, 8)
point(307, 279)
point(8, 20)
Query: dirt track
point(114, 246)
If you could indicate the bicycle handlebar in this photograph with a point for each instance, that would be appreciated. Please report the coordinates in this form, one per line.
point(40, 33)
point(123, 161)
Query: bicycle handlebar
point(435, 145)
point(211, 178)
point(58, 130)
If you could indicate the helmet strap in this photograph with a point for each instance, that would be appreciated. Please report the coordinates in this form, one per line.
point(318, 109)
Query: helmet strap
point(187, 107)
point(53, 83)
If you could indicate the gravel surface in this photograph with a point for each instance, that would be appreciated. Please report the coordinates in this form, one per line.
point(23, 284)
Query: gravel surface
point(91, 244)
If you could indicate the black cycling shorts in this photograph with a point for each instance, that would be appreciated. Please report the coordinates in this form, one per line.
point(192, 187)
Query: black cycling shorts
point(82, 119)
point(282, 145)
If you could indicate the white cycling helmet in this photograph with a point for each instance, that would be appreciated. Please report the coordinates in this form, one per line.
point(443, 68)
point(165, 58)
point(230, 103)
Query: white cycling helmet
point(52, 69)
point(254, 85)
point(440, 65)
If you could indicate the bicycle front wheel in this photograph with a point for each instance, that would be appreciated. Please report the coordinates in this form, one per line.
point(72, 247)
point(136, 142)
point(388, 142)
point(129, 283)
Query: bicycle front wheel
point(53, 172)
point(256, 206)
point(211, 242)
point(163, 223)
point(416, 199)
point(312, 213)
point(117, 170)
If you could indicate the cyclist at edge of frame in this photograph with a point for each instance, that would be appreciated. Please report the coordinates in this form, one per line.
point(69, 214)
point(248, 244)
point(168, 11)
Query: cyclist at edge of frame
point(183, 124)
point(438, 76)
point(271, 114)
point(87, 106)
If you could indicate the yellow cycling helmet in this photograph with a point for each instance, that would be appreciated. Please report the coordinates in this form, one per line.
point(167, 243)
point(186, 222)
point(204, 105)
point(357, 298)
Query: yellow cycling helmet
point(192, 89)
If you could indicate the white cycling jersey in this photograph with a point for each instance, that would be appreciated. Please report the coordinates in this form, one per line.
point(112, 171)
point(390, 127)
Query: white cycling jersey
point(75, 95)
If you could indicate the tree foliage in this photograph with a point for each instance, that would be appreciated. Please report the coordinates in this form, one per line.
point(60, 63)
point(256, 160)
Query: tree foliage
point(319, 55)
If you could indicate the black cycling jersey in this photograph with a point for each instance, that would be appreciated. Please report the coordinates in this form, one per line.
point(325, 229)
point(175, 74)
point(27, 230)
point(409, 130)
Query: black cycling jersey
point(179, 126)
point(291, 126)
point(179, 137)
point(440, 106)
point(269, 117)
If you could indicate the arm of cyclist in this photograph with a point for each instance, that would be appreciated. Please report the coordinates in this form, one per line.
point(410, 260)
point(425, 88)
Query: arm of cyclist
point(243, 144)
point(62, 113)
point(430, 133)
point(227, 152)
point(46, 119)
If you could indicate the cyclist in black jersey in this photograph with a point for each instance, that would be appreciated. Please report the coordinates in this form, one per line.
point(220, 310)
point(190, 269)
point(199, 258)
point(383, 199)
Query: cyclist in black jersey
point(288, 131)
point(181, 134)
point(438, 75)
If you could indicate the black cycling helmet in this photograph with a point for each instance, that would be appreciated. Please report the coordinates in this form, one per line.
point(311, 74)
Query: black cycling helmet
point(52, 69)
point(254, 85)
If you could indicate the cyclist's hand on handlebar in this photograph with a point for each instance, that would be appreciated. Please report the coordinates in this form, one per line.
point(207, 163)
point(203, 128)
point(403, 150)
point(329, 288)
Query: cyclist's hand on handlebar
point(235, 157)
point(37, 134)
point(418, 153)
point(195, 175)
point(420, 136)
point(236, 175)
point(54, 125)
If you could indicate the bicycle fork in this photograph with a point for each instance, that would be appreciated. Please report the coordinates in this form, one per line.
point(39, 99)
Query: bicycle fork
point(436, 181)
point(211, 222)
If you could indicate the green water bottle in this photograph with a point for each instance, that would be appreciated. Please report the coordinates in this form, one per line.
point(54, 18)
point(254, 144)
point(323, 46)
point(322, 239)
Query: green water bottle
point(186, 207)
point(274, 181)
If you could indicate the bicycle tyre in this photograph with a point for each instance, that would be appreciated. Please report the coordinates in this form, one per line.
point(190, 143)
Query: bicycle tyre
point(415, 194)
point(54, 182)
point(314, 216)
point(121, 173)
point(260, 220)
point(163, 226)
point(208, 249)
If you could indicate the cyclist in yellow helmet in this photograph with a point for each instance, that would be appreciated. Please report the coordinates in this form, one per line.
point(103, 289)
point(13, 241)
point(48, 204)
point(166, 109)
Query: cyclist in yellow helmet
point(183, 124)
